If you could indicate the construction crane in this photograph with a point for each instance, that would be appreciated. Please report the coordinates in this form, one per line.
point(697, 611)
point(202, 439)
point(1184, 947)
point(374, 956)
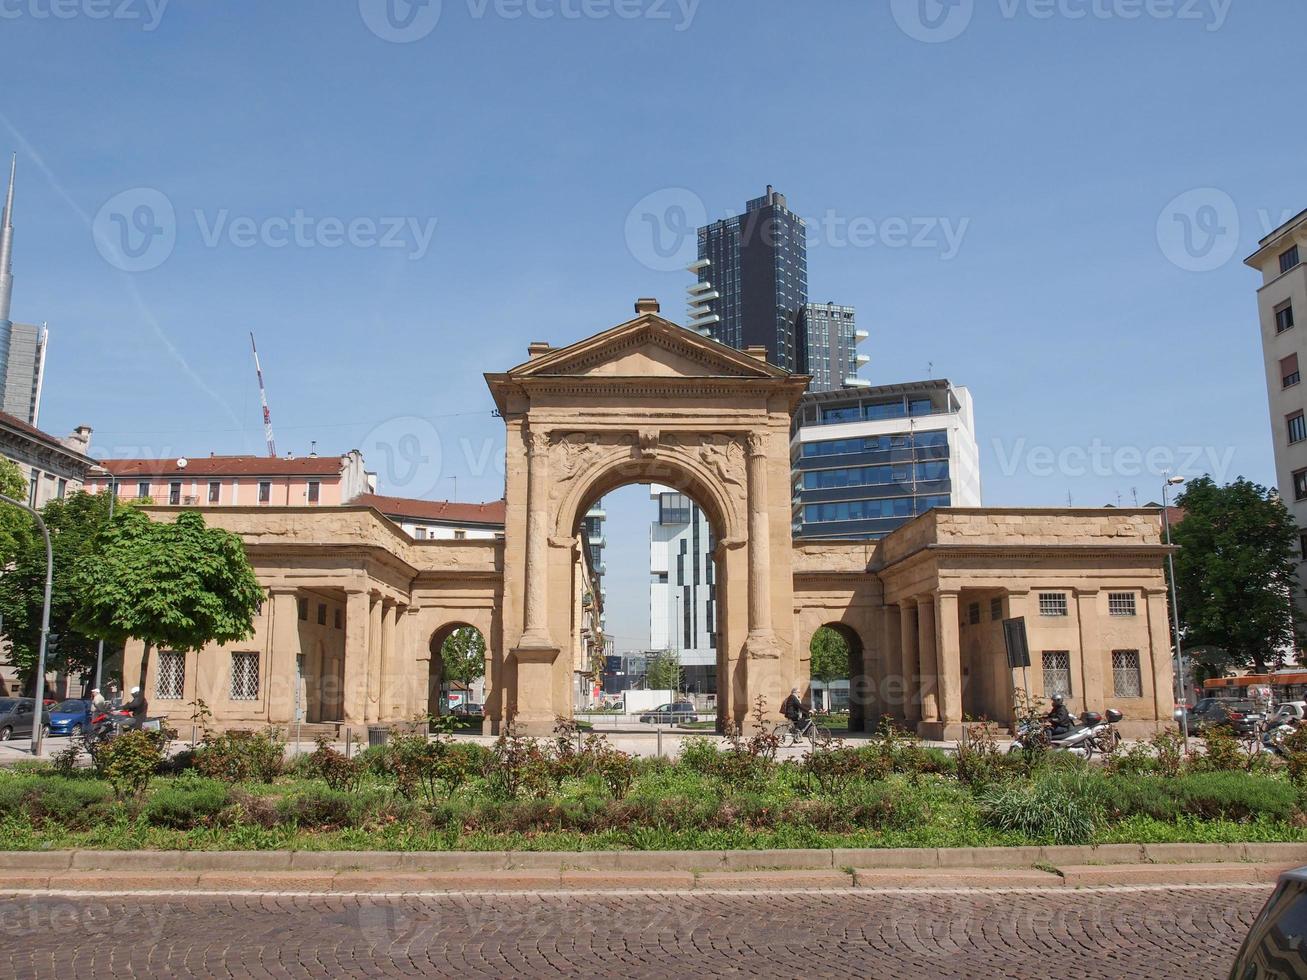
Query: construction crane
point(263, 397)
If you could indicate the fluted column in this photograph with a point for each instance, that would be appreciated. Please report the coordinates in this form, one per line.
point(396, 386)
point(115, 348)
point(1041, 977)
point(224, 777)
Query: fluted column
point(908, 663)
point(536, 617)
point(761, 636)
point(929, 660)
point(948, 658)
point(357, 624)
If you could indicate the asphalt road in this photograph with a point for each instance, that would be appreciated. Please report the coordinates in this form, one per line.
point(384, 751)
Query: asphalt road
point(1185, 932)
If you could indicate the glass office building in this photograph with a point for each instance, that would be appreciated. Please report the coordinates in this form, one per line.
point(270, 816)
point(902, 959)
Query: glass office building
point(867, 460)
point(831, 338)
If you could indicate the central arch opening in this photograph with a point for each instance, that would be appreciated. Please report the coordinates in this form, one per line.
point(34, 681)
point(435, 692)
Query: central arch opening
point(655, 551)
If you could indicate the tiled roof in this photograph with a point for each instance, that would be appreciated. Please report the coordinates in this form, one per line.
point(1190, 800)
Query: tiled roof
point(435, 510)
point(225, 466)
point(32, 432)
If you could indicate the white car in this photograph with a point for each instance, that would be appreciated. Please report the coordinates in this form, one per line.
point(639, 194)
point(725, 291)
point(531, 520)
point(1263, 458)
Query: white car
point(1297, 710)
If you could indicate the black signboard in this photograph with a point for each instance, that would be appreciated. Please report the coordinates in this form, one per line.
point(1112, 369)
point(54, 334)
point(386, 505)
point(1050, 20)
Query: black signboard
point(1014, 637)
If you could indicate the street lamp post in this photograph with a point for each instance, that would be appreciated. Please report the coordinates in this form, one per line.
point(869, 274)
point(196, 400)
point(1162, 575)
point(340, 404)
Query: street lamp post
point(1175, 481)
point(38, 722)
point(99, 647)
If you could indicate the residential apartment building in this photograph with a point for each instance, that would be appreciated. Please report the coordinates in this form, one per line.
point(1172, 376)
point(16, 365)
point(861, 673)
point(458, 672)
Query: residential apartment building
point(831, 338)
point(867, 460)
point(595, 543)
point(22, 345)
point(1281, 300)
point(52, 467)
point(683, 588)
point(230, 481)
point(433, 520)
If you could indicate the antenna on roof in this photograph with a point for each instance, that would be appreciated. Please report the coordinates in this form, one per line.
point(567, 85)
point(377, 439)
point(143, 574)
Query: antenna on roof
point(263, 397)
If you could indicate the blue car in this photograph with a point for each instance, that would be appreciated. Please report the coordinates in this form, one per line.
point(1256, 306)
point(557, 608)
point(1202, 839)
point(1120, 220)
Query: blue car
point(71, 717)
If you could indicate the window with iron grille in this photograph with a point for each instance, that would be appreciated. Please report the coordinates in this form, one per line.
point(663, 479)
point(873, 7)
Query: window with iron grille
point(973, 614)
point(170, 680)
point(1052, 603)
point(1121, 603)
point(996, 609)
point(244, 676)
point(1127, 682)
point(1057, 673)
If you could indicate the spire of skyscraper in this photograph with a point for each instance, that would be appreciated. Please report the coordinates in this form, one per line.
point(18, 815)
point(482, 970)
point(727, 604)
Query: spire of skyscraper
point(7, 247)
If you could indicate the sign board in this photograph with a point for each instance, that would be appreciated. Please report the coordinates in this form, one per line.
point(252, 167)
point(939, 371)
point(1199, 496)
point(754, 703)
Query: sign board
point(1014, 638)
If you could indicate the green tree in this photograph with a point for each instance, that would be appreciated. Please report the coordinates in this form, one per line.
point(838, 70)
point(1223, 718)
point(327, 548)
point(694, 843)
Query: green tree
point(15, 524)
point(1235, 571)
point(176, 585)
point(830, 655)
point(463, 655)
point(663, 673)
point(73, 523)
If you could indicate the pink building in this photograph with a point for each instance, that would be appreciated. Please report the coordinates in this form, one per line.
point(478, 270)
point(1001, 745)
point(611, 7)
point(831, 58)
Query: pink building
point(227, 481)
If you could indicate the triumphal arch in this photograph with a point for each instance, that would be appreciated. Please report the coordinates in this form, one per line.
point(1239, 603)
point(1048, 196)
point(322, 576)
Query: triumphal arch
point(648, 402)
point(357, 607)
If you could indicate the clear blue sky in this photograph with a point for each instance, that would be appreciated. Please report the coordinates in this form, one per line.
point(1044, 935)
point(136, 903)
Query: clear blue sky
point(1055, 143)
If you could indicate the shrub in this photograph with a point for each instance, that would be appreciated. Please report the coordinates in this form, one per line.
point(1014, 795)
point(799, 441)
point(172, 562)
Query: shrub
point(1295, 755)
point(978, 761)
point(321, 808)
point(1223, 753)
point(340, 773)
point(436, 769)
point(75, 804)
point(1168, 746)
point(1055, 807)
point(699, 754)
point(130, 759)
point(237, 757)
point(1216, 795)
point(883, 806)
point(519, 766)
point(832, 770)
point(187, 802)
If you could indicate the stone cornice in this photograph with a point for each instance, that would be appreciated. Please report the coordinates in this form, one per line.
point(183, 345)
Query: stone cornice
point(1027, 551)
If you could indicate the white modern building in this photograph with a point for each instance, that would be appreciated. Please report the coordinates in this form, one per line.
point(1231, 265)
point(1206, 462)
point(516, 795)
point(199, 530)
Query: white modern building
point(867, 460)
point(683, 588)
point(1280, 298)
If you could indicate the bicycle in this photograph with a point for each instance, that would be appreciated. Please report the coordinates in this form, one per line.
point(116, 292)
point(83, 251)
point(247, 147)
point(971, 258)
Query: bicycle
point(806, 729)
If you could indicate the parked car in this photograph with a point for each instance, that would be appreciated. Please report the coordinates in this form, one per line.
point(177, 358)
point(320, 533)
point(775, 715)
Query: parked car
point(1295, 710)
point(468, 709)
point(71, 717)
point(16, 717)
point(1273, 948)
point(1242, 717)
point(670, 714)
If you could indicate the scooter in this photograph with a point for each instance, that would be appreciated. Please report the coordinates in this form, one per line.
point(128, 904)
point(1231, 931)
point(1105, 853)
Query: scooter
point(1092, 732)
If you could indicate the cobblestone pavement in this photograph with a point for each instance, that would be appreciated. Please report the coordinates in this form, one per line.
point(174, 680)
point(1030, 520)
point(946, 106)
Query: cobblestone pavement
point(1109, 932)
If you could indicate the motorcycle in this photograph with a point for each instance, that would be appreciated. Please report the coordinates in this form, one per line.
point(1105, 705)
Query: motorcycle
point(1273, 738)
point(1092, 732)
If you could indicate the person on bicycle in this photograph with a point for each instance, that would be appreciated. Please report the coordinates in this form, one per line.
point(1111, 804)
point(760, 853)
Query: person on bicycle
point(792, 709)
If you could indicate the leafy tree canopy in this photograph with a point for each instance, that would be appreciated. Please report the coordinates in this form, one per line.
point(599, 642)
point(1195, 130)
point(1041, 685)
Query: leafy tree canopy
point(1235, 571)
point(464, 655)
point(663, 673)
point(830, 655)
point(177, 586)
point(15, 523)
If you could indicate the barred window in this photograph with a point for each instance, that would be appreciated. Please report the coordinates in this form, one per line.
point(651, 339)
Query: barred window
point(1057, 673)
point(170, 680)
point(996, 609)
point(973, 614)
point(1052, 603)
point(244, 676)
point(1121, 603)
point(1127, 681)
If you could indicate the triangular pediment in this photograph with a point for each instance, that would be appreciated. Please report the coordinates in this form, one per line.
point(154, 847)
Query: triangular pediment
point(648, 346)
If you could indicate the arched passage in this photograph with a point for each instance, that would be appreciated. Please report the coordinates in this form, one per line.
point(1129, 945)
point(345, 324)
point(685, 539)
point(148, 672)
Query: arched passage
point(839, 681)
point(458, 653)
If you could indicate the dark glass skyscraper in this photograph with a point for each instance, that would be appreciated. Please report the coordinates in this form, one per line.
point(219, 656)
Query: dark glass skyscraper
point(752, 290)
point(753, 281)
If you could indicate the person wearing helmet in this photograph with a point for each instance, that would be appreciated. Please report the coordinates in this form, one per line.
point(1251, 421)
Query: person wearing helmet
point(1059, 719)
point(137, 707)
